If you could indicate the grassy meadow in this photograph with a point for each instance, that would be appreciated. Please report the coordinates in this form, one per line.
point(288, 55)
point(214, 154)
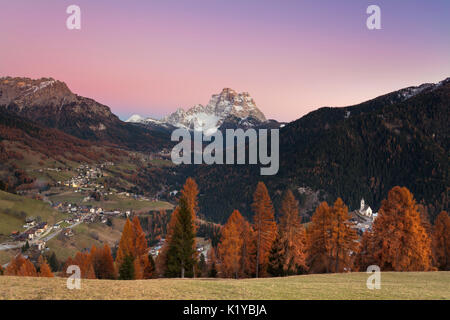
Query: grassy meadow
point(394, 285)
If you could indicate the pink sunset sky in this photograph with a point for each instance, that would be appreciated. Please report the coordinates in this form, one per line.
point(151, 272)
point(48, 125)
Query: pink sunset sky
point(152, 57)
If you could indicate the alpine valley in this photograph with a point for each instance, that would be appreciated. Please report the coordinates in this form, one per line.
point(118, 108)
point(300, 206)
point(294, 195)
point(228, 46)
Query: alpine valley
point(47, 133)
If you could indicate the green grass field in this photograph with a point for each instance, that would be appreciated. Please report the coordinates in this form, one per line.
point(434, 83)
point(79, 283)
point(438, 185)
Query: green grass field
point(85, 236)
point(405, 285)
point(14, 208)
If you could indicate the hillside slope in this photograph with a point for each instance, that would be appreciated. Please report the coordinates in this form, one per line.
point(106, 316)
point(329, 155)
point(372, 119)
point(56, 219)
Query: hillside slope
point(361, 151)
point(50, 103)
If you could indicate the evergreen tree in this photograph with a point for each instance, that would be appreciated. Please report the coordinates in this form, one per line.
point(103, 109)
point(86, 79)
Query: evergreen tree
point(212, 260)
point(181, 251)
point(25, 247)
point(126, 268)
point(202, 267)
point(53, 262)
point(276, 259)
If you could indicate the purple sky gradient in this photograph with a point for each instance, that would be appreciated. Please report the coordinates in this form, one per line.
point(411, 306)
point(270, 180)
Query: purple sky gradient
point(151, 57)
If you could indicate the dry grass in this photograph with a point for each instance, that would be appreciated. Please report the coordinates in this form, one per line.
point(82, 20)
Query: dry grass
point(411, 285)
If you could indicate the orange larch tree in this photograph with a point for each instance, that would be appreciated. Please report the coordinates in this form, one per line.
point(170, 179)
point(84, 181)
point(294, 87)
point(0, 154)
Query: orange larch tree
point(27, 269)
point(126, 243)
point(14, 265)
point(84, 262)
point(441, 241)
point(103, 262)
point(230, 246)
point(292, 236)
point(401, 242)
point(344, 243)
point(44, 268)
point(264, 226)
point(319, 240)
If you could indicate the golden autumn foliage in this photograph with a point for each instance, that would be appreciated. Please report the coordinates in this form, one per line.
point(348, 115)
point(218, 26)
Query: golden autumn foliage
point(400, 241)
point(134, 244)
point(344, 243)
point(103, 262)
point(292, 236)
point(190, 193)
point(332, 243)
point(319, 239)
point(126, 243)
point(264, 226)
point(44, 268)
point(14, 265)
point(231, 245)
point(441, 241)
point(84, 261)
point(27, 269)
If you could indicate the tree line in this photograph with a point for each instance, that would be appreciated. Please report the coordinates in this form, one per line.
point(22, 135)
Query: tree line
point(401, 239)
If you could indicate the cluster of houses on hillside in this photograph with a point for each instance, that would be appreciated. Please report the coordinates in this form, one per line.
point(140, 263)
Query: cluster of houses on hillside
point(86, 176)
point(33, 230)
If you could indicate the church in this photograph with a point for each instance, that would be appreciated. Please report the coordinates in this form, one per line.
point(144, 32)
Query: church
point(363, 217)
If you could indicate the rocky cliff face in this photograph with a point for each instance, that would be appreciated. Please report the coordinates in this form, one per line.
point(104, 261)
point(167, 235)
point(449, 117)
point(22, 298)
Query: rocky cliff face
point(228, 109)
point(51, 103)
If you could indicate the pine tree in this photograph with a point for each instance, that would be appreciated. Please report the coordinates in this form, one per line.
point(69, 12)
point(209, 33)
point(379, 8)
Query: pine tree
point(441, 241)
point(126, 268)
point(181, 251)
point(400, 240)
point(264, 226)
point(277, 258)
point(53, 262)
point(190, 193)
point(319, 240)
point(293, 238)
point(44, 268)
point(212, 261)
point(202, 267)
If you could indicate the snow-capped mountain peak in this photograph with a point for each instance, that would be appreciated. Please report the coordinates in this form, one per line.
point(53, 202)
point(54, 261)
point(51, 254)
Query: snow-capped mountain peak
point(223, 106)
point(136, 119)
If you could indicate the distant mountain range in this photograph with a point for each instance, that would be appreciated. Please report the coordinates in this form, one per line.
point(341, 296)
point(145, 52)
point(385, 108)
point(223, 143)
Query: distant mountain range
point(227, 109)
point(50, 103)
point(360, 151)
